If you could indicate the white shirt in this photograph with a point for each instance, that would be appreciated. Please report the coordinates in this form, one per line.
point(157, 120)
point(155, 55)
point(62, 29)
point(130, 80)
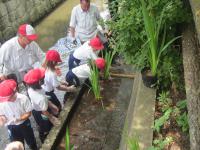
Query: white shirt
point(82, 71)
point(85, 52)
point(15, 109)
point(16, 59)
point(38, 99)
point(85, 22)
point(50, 81)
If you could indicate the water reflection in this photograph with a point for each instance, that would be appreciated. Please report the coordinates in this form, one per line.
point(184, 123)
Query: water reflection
point(55, 25)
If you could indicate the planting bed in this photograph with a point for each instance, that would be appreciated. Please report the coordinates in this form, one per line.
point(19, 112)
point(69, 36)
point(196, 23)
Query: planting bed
point(93, 127)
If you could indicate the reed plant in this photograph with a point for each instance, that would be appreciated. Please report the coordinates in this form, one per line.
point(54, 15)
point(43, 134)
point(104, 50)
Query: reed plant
point(133, 144)
point(67, 141)
point(156, 36)
point(108, 58)
point(94, 80)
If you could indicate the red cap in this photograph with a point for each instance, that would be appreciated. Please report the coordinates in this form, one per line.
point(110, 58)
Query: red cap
point(7, 89)
point(34, 76)
point(53, 55)
point(96, 43)
point(100, 62)
point(28, 31)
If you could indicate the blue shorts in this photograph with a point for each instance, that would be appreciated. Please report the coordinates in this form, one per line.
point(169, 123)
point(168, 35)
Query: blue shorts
point(73, 62)
point(72, 79)
point(23, 132)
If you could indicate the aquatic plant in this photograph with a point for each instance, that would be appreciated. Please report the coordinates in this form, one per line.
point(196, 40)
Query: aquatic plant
point(155, 44)
point(94, 80)
point(108, 58)
point(67, 141)
point(133, 144)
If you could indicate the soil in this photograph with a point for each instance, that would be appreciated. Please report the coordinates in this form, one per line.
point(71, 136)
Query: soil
point(171, 128)
point(98, 124)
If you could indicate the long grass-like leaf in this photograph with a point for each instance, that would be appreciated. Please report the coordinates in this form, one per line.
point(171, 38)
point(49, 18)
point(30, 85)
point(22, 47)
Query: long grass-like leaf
point(108, 58)
point(153, 32)
point(67, 142)
point(94, 79)
point(133, 144)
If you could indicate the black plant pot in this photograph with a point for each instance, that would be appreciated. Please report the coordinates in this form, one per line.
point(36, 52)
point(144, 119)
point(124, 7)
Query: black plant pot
point(148, 80)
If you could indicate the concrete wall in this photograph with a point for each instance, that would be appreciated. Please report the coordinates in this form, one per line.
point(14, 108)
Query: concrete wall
point(16, 12)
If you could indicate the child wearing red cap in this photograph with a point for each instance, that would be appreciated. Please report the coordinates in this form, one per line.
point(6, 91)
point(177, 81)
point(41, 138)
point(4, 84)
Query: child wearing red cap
point(16, 109)
point(50, 81)
point(34, 79)
point(87, 51)
point(82, 72)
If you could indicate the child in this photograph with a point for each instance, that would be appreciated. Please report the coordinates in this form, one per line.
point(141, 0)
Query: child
point(82, 72)
point(16, 110)
point(34, 79)
point(86, 51)
point(50, 81)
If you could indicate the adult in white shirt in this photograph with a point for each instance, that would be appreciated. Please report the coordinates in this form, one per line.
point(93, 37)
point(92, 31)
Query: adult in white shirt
point(78, 74)
point(16, 109)
point(89, 50)
point(83, 23)
point(20, 53)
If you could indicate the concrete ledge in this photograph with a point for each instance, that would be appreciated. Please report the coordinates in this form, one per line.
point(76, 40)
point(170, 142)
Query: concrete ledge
point(140, 115)
point(195, 5)
point(57, 132)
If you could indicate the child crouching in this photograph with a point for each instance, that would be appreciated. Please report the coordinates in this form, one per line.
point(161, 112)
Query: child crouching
point(82, 72)
point(89, 50)
point(50, 81)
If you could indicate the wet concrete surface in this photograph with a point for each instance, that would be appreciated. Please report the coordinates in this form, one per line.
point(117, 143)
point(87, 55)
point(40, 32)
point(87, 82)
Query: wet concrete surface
point(95, 128)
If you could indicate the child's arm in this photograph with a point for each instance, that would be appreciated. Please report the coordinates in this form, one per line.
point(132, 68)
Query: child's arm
point(62, 87)
point(51, 118)
point(54, 109)
point(64, 83)
point(24, 117)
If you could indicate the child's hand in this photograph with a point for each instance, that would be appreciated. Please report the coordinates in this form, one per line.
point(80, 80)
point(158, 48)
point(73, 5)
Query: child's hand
point(3, 120)
point(71, 88)
point(55, 121)
point(54, 109)
point(65, 83)
point(58, 71)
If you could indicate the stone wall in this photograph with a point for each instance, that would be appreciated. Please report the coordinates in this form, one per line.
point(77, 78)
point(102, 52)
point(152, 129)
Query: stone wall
point(16, 12)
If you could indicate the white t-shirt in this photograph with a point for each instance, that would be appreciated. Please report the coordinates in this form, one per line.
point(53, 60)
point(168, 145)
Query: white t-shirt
point(15, 59)
point(38, 99)
point(50, 81)
point(15, 109)
point(85, 22)
point(82, 71)
point(85, 52)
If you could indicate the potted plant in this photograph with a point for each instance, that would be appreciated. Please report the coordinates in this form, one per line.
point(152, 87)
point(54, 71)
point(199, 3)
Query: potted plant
point(155, 45)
